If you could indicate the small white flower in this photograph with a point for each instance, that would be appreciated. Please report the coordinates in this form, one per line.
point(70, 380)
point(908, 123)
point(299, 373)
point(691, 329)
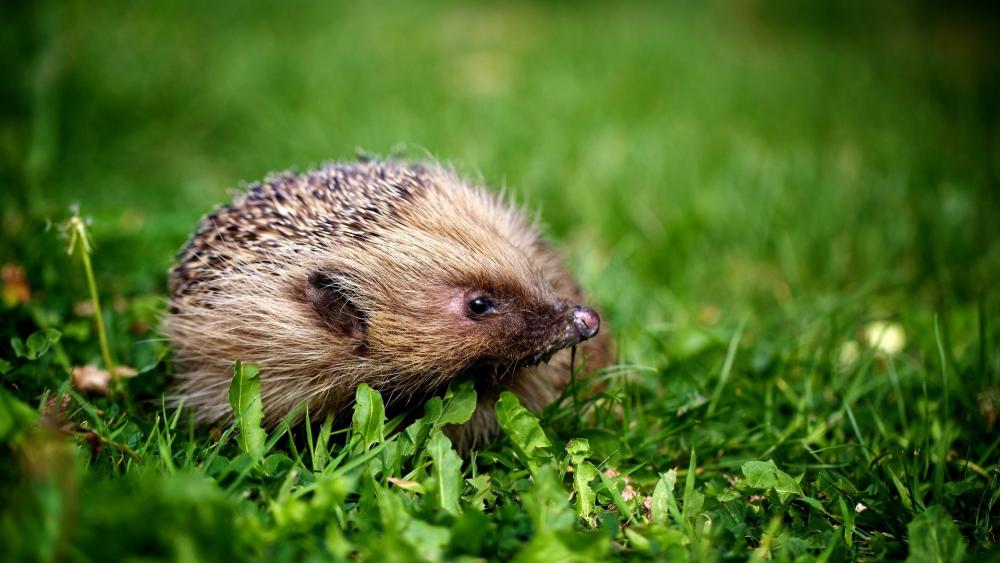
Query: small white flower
point(859, 508)
point(887, 338)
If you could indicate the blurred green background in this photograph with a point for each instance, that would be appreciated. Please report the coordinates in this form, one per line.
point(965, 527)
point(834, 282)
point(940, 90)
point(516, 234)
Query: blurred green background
point(738, 154)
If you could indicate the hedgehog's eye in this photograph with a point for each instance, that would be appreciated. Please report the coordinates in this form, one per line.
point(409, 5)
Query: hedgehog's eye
point(480, 306)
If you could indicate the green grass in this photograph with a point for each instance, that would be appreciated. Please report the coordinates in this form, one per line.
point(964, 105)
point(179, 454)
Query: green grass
point(744, 188)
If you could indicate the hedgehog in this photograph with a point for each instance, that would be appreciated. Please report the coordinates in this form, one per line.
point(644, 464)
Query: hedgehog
point(401, 275)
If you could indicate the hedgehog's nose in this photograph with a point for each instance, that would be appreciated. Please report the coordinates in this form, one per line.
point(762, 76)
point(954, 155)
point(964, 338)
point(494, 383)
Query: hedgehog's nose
point(586, 321)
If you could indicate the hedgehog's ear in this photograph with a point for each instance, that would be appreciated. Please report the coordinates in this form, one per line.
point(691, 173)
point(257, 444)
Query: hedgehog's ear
point(329, 294)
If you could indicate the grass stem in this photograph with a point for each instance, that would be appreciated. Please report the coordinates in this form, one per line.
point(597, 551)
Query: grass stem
point(76, 229)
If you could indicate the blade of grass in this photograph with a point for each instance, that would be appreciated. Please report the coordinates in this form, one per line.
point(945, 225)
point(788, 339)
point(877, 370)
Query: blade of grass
point(727, 367)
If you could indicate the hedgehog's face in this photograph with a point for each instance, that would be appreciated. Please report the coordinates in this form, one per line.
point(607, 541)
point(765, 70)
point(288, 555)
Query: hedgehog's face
point(516, 328)
point(443, 328)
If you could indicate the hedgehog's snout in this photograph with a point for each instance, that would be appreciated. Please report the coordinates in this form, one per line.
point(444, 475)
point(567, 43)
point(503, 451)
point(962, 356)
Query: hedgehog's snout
point(581, 323)
point(586, 321)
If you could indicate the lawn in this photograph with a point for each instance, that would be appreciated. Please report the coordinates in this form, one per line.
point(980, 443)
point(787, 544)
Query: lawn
point(787, 214)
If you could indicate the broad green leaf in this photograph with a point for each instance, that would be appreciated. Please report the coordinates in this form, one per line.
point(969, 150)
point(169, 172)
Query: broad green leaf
point(583, 473)
point(369, 416)
point(413, 436)
point(472, 533)
point(433, 409)
point(40, 341)
point(483, 484)
point(729, 496)
point(428, 540)
point(555, 537)
point(934, 538)
point(760, 474)
point(786, 486)
point(565, 545)
point(4, 366)
point(244, 398)
point(239, 465)
point(391, 459)
point(547, 502)
point(446, 476)
point(637, 541)
point(416, 433)
point(329, 492)
point(766, 475)
point(392, 513)
point(456, 408)
point(13, 415)
point(403, 537)
point(276, 464)
point(18, 345)
point(290, 514)
point(460, 404)
point(670, 543)
point(529, 440)
point(36, 345)
point(664, 503)
point(578, 449)
point(336, 543)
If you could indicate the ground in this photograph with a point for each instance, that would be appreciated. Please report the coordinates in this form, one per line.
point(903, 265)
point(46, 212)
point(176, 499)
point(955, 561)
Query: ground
point(786, 214)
